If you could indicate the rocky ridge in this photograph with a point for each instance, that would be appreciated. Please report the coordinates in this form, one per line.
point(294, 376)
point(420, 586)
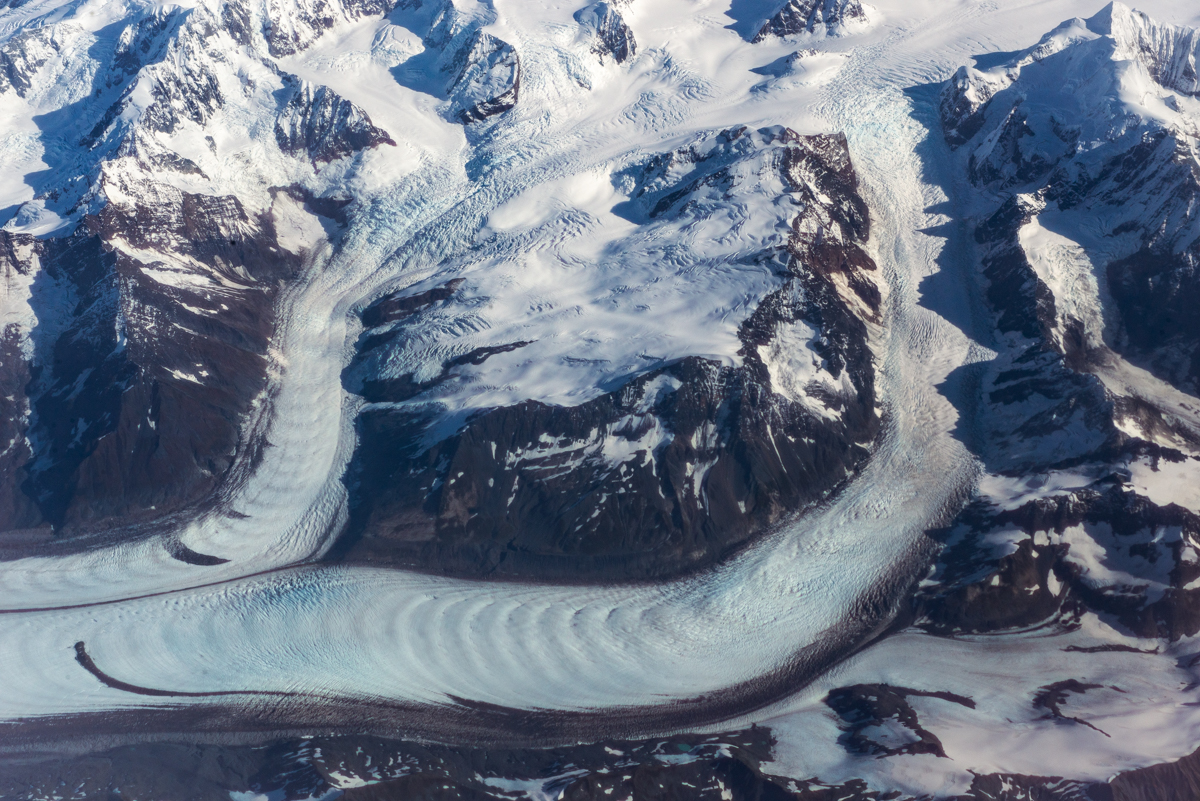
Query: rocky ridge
point(1087, 241)
point(482, 73)
point(613, 36)
point(143, 323)
point(733, 765)
point(814, 16)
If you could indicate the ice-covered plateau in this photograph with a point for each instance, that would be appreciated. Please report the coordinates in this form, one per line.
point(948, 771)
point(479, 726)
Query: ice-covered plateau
point(536, 379)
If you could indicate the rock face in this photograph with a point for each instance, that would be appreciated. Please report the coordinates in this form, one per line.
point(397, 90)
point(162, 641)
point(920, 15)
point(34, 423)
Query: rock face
point(482, 72)
point(1018, 567)
point(1090, 426)
point(691, 767)
point(613, 37)
point(367, 768)
point(881, 722)
point(324, 127)
point(487, 78)
point(675, 465)
point(136, 398)
point(808, 16)
point(136, 337)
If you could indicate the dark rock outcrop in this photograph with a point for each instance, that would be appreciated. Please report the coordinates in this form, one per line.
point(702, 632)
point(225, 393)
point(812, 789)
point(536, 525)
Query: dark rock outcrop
point(1147, 553)
point(614, 37)
point(1158, 293)
point(486, 78)
point(17, 510)
point(878, 719)
point(318, 123)
point(139, 381)
point(806, 16)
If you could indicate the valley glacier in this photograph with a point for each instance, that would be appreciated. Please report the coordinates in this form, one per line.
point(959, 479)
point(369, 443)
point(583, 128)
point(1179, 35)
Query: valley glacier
point(455, 222)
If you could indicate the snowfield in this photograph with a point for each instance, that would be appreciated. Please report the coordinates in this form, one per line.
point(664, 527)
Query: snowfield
point(527, 208)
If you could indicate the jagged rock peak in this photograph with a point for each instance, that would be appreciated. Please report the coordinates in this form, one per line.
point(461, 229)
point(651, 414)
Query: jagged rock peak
point(1168, 52)
point(290, 26)
point(487, 78)
point(1140, 52)
point(482, 72)
point(613, 36)
point(808, 16)
point(321, 123)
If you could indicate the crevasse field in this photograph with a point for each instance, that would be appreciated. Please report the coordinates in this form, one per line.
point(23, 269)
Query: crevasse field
point(760, 638)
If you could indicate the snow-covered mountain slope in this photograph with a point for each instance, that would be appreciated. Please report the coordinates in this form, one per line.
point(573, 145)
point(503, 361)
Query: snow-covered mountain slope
point(164, 153)
point(480, 283)
point(1090, 137)
point(177, 163)
point(1079, 157)
point(207, 177)
point(816, 16)
point(638, 388)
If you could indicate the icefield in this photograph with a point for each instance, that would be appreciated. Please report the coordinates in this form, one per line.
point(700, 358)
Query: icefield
point(759, 638)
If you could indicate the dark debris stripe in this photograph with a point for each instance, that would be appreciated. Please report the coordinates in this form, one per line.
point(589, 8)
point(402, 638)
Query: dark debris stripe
point(85, 659)
point(156, 594)
point(179, 551)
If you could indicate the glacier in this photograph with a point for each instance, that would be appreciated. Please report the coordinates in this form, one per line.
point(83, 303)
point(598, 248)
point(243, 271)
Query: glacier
point(387, 153)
